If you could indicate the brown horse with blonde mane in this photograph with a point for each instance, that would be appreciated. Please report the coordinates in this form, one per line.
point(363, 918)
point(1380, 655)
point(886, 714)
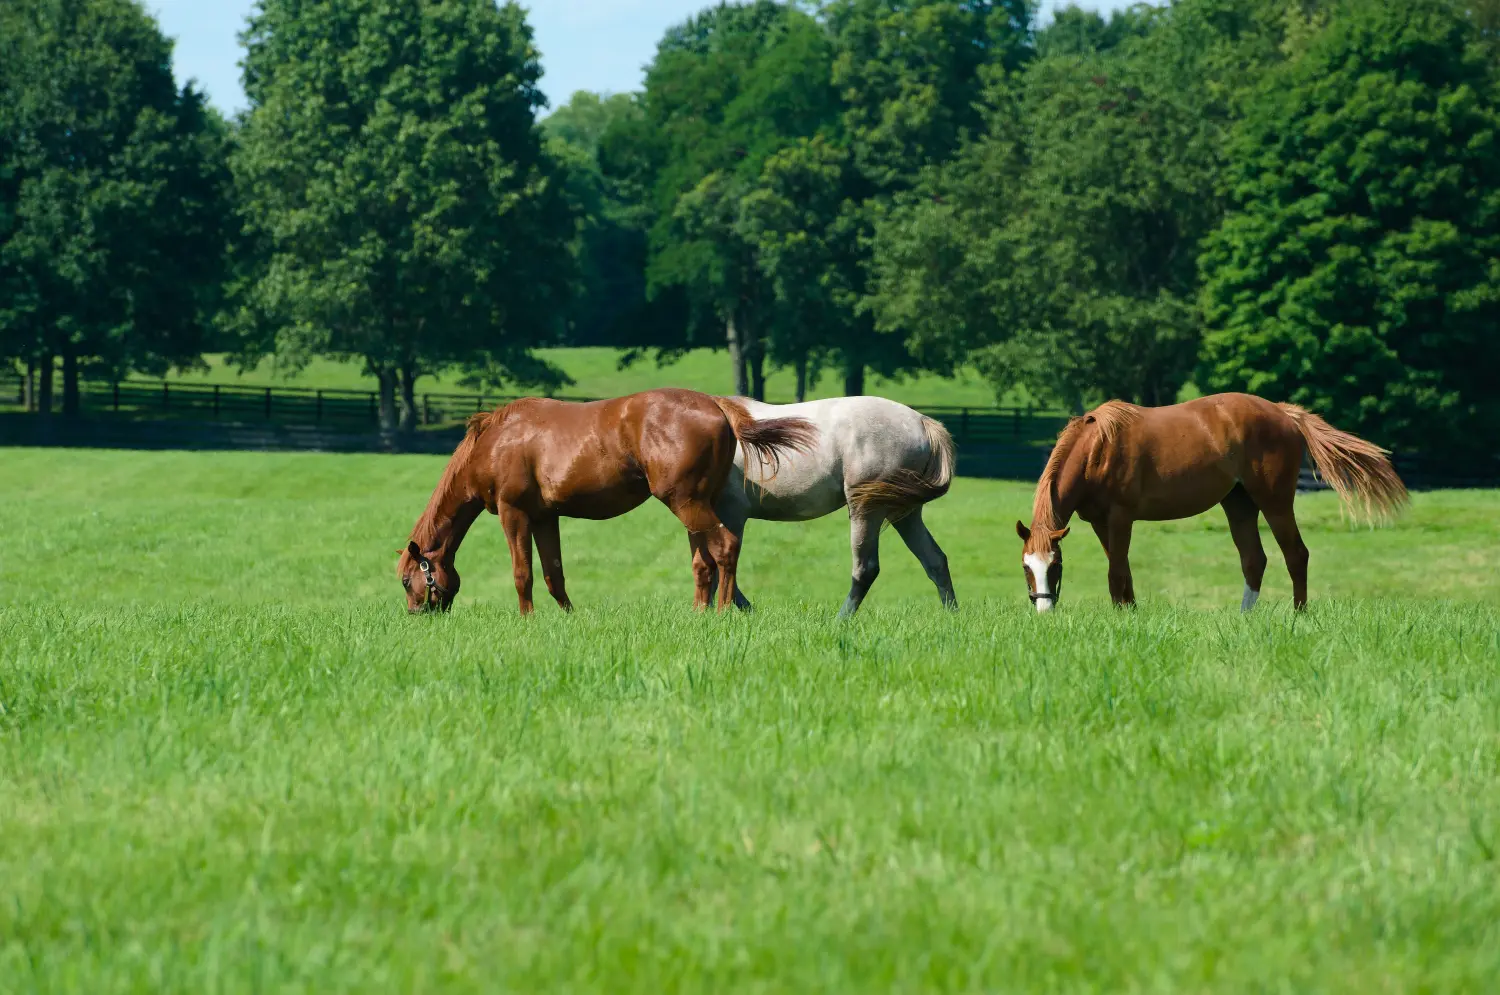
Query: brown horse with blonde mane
point(1120, 464)
point(537, 460)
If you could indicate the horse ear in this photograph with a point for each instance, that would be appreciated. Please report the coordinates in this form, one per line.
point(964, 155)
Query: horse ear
point(414, 550)
point(1059, 537)
point(1023, 531)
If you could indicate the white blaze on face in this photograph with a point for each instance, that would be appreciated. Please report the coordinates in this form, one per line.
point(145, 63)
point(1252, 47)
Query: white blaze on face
point(1038, 564)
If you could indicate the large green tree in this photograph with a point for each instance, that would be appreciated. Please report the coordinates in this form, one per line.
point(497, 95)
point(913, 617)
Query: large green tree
point(1058, 247)
point(609, 306)
point(1359, 273)
point(728, 89)
point(113, 205)
point(396, 191)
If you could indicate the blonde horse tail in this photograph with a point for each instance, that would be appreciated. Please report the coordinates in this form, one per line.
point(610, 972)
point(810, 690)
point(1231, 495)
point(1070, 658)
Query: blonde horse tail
point(900, 492)
point(1359, 472)
point(770, 439)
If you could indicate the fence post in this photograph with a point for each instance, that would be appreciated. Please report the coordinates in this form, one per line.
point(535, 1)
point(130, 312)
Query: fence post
point(963, 425)
point(478, 403)
point(166, 396)
point(216, 400)
point(373, 416)
point(1016, 422)
point(318, 409)
point(268, 402)
point(426, 409)
point(117, 396)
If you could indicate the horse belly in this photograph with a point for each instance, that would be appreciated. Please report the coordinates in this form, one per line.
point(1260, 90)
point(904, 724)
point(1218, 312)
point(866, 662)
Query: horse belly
point(1183, 495)
point(607, 502)
point(795, 506)
point(803, 489)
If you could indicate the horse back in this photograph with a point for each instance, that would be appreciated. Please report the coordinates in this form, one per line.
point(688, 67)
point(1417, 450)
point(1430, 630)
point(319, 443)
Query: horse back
point(598, 459)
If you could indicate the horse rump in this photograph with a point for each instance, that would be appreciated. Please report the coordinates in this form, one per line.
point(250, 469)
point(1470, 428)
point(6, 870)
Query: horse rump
point(770, 439)
point(900, 492)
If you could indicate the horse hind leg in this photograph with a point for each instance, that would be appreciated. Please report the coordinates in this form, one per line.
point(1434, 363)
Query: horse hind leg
point(734, 518)
point(864, 545)
point(1244, 527)
point(924, 547)
point(1284, 527)
point(705, 571)
point(713, 545)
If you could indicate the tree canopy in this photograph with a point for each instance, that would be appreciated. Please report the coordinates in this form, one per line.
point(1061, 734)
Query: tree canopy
point(1299, 198)
point(1359, 271)
point(392, 174)
point(113, 195)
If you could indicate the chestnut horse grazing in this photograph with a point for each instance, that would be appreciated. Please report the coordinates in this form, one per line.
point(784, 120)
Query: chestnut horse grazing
point(537, 460)
point(1121, 464)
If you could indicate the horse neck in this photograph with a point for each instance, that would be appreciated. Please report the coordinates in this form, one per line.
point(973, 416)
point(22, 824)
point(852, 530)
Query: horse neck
point(447, 526)
point(1068, 484)
point(454, 507)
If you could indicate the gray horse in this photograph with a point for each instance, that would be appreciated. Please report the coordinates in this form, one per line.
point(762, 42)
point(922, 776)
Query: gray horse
point(880, 458)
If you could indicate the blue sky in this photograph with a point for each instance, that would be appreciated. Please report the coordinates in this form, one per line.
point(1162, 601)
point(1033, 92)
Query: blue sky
point(585, 44)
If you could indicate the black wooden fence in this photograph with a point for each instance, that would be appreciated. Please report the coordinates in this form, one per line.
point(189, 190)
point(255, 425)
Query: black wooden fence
point(346, 410)
point(1005, 442)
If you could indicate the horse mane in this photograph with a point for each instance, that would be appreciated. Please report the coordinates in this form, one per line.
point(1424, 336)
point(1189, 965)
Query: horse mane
point(424, 533)
point(1108, 419)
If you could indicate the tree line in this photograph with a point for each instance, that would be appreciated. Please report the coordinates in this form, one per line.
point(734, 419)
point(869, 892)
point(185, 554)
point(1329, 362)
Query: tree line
point(1298, 198)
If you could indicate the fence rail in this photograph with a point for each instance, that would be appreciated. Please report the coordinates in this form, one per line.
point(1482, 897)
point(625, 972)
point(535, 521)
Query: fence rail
point(345, 409)
point(993, 442)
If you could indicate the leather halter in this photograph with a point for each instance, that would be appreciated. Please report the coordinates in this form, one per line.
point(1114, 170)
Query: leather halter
point(1035, 597)
point(434, 589)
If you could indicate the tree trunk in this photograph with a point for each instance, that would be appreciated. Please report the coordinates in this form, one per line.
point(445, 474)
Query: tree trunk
point(28, 387)
point(408, 399)
point(801, 366)
point(387, 378)
point(854, 378)
point(70, 404)
point(736, 357)
point(44, 386)
point(757, 357)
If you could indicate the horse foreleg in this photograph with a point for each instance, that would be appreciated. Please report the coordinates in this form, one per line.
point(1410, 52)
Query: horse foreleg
point(1244, 526)
point(549, 547)
point(1294, 550)
point(1101, 529)
point(518, 537)
point(924, 547)
point(864, 544)
point(1121, 587)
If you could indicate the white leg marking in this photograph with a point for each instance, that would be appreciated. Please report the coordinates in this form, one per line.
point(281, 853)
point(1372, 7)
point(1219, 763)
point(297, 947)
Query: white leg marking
point(1038, 563)
point(1248, 601)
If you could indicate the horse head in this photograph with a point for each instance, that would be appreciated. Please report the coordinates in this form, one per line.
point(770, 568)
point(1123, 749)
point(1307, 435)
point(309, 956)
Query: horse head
point(429, 579)
point(1042, 563)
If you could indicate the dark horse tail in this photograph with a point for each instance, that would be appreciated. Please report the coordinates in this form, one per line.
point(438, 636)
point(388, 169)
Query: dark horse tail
point(770, 439)
point(1360, 472)
point(903, 491)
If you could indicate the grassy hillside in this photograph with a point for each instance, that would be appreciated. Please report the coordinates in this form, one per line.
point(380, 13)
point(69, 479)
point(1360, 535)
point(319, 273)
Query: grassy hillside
point(597, 375)
point(230, 762)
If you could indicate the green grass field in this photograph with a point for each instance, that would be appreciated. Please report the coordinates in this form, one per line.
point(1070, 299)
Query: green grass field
point(228, 762)
point(597, 374)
